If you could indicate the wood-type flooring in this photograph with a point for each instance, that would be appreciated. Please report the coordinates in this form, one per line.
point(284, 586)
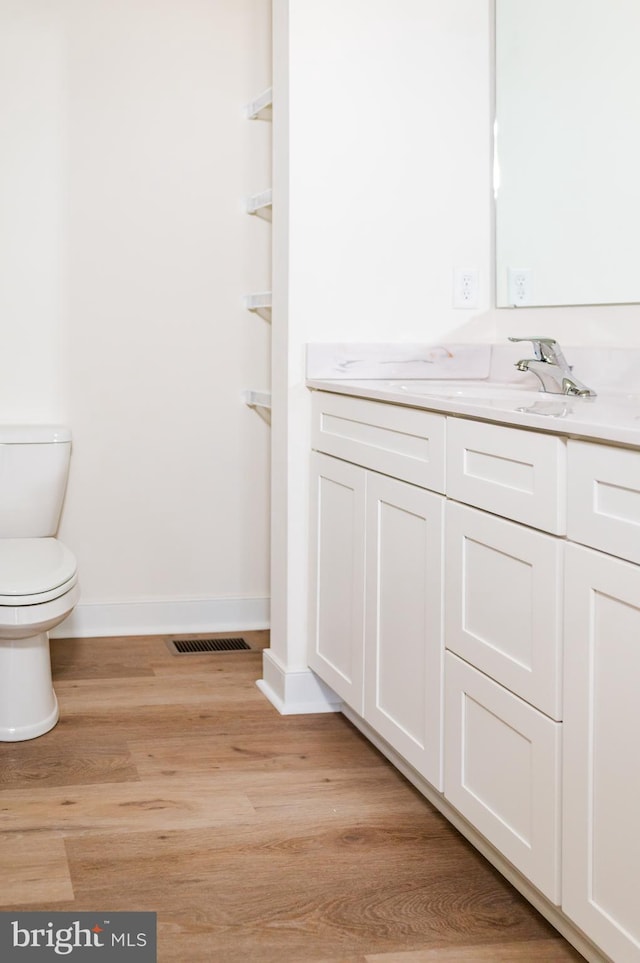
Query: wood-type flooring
point(171, 785)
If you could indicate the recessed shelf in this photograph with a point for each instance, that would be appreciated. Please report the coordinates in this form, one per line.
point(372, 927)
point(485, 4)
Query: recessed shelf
point(260, 108)
point(253, 302)
point(258, 202)
point(257, 399)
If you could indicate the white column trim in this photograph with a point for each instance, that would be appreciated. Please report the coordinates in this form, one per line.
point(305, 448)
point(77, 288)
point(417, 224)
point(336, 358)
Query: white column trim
point(295, 693)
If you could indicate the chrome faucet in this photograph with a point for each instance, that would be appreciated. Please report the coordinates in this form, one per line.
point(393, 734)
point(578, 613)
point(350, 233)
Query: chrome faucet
point(551, 368)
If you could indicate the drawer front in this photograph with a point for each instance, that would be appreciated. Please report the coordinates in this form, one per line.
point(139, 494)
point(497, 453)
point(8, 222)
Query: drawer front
point(502, 772)
point(604, 503)
point(406, 443)
point(503, 608)
point(508, 471)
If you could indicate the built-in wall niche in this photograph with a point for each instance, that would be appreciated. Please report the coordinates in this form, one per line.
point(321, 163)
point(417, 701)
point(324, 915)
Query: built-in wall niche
point(567, 152)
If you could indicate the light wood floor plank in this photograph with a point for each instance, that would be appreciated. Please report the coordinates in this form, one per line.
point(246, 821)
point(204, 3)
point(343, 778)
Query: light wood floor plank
point(33, 869)
point(55, 761)
point(103, 658)
point(254, 749)
point(124, 807)
point(153, 721)
point(527, 951)
point(107, 695)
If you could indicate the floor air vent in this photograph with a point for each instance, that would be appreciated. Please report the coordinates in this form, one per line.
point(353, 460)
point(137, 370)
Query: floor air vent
point(198, 646)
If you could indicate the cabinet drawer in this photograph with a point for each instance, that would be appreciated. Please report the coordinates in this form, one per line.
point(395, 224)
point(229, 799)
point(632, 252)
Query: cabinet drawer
point(604, 508)
point(502, 772)
point(503, 610)
point(406, 443)
point(508, 471)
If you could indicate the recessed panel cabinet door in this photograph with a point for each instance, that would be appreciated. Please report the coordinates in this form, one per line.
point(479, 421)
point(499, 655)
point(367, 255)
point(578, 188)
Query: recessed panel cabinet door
point(337, 562)
point(503, 607)
point(403, 621)
point(502, 771)
point(601, 760)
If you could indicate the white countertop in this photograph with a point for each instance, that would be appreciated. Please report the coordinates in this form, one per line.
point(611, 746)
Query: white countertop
point(612, 416)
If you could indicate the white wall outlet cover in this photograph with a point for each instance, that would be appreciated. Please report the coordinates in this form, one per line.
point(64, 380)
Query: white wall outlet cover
point(519, 286)
point(466, 286)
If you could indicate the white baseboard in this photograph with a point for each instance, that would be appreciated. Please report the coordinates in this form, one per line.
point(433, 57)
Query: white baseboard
point(295, 693)
point(95, 620)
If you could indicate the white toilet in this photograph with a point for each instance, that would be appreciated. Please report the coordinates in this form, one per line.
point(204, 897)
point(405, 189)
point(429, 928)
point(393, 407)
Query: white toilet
point(38, 578)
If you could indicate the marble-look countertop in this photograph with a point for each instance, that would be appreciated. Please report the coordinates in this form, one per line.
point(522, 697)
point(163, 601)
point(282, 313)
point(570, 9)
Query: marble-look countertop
point(488, 387)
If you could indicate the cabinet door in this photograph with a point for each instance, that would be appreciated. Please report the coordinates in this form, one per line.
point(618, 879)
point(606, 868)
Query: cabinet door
point(337, 576)
point(403, 621)
point(601, 843)
point(502, 772)
point(503, 603)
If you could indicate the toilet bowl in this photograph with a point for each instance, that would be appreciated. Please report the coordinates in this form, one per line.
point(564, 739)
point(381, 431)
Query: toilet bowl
point(38, 575)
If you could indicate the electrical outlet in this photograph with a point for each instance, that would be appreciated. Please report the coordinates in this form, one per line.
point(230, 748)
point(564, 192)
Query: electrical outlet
point(519, 285)
point(466, 284)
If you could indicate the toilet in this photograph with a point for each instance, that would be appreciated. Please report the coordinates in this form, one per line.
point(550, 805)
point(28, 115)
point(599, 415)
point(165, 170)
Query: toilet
point(38, 577)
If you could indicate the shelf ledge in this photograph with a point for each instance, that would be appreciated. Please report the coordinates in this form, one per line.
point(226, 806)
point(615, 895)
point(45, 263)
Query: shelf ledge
point(258, 202)
point(257, 399)
point(253, 302)
point(260, 108)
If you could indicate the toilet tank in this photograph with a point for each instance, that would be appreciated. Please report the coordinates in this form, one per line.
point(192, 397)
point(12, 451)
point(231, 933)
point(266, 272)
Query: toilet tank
point(34, 465)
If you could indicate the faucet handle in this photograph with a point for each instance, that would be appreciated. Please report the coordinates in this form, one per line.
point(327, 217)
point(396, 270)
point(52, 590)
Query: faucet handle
point(543, 348)
point(536, 340)
point(547, 349)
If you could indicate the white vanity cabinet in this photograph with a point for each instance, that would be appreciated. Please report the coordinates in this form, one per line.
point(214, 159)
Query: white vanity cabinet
point(485, 623)
point(601, 762)
point(376, 611)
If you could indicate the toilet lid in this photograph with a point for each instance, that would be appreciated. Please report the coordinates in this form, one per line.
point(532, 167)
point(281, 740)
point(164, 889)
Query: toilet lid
point(31, 566)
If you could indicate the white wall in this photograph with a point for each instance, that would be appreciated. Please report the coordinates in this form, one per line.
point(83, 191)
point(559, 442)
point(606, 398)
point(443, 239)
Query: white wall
point(128, 255)
point(390, 147)
point(383, 113)
point(380, 110)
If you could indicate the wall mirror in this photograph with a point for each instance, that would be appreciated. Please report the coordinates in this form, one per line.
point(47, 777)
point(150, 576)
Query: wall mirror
point(567, 152)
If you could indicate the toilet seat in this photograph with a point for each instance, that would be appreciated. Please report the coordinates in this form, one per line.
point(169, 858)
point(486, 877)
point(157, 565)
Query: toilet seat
point(34, 570)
